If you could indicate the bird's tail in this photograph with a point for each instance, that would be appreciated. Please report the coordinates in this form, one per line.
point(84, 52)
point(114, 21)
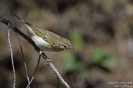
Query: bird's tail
point(28, 25)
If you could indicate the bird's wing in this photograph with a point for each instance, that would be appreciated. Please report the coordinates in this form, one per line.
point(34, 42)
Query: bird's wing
point(44, 34)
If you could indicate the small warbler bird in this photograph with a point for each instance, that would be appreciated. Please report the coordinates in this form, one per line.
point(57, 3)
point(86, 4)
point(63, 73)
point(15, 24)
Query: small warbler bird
point(46, 40)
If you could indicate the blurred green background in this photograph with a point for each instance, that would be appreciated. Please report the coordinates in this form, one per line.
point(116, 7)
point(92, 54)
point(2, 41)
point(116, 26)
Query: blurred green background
point(100, 30)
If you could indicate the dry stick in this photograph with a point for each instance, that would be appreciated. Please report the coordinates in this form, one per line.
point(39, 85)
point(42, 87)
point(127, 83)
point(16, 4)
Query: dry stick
point(37, 49)
point(34, 71)
point(23, 58)
point(57, 73)
point(14, 83)
point(58, 82)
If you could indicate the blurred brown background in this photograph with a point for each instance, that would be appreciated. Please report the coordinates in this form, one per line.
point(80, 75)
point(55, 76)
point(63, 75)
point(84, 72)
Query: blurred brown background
point(100, 30)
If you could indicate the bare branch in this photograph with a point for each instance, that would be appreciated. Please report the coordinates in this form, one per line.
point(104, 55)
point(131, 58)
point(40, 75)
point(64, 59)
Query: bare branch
point(23, 58)
point(34, 71)
point(14, 83)
point(55, 71)
point(59, 76)
point(37, 49)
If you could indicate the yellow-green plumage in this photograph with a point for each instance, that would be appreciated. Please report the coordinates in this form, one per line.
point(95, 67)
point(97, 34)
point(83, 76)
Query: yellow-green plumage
point(47, 40)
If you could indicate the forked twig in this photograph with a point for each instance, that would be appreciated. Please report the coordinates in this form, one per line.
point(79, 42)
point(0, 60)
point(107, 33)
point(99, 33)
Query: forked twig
point(37, 49)
point(34, 71)
point(55, 71)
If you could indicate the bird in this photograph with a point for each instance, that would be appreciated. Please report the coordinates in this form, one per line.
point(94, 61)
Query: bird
point(47, 40)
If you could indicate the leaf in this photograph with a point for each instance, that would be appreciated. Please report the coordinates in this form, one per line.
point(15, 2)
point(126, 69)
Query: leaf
point(103, 59)
point(109, 63)
point(98, 55)
point(71, 64)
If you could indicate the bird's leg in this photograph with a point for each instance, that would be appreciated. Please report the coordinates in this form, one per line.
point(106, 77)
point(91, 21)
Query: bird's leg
point(46, 58)
point(40, 52)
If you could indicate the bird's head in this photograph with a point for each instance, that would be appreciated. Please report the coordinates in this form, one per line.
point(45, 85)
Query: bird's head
point(65, 44)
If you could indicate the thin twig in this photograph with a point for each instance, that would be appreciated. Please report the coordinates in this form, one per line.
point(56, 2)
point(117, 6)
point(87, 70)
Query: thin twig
point(59, 76)
point(58, 82)
point(34, 71)
point(26, 70)
point(36, 48)
point(55, 71)
point(14, 83)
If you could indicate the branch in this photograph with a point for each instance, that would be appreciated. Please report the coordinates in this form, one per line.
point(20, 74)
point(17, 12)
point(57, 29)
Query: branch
point(26, 70)
point(9, 41)
point(36, 48)
point(34, 72)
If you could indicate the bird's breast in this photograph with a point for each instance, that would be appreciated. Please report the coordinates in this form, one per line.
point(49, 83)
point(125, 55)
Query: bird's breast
point(42, 44)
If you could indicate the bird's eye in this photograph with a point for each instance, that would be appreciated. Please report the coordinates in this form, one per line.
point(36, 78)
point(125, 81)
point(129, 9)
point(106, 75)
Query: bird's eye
point(64, 46)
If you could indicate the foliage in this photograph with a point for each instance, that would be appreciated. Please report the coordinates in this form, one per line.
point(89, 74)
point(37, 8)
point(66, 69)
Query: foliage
point(103, 59)
point(71, 63)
